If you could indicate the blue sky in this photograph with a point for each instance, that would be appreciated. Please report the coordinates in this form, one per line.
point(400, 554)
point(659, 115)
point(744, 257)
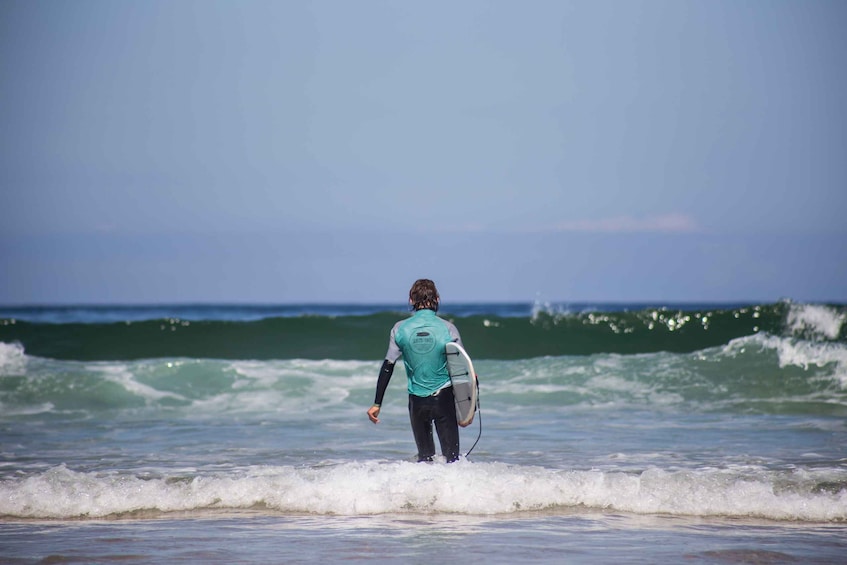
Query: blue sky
point(335, 151)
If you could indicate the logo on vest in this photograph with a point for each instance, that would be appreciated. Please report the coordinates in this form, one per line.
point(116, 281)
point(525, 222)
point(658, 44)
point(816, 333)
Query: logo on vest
point(422, 342)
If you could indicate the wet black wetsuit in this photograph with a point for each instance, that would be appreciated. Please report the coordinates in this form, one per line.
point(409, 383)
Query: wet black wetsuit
point(420, 340)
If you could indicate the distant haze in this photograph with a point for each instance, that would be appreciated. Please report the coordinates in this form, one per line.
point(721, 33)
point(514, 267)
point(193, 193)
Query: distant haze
point(216, 151)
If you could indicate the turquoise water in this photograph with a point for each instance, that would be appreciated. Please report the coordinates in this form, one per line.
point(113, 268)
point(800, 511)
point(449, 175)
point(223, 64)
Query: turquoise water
point(494, 331)
point(728, 452)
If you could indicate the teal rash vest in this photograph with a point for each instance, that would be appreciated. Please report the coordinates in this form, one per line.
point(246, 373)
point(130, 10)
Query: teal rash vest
point(420, 340)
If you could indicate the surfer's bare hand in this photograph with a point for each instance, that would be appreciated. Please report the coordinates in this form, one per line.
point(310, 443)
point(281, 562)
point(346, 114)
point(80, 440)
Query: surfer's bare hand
point(373, 414)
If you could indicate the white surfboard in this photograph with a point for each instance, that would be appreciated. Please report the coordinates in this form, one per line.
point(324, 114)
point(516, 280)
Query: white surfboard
point(460, 367)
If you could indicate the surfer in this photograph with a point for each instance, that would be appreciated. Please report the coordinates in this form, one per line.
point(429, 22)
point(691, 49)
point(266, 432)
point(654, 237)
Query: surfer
point(420, 340)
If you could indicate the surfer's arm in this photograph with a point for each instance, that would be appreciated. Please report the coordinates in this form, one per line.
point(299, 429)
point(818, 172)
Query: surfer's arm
point(385, 373)
point(454, 333)
point(381, 385)
point(382, 382)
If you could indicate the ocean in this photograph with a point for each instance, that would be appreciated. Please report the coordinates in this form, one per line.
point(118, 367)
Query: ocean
point(607, 433)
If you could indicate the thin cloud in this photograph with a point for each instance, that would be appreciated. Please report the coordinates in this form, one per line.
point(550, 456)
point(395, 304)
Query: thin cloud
point(668, 223)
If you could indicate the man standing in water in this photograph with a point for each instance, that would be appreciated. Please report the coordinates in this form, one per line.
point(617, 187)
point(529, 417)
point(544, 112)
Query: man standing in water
point(420, 340)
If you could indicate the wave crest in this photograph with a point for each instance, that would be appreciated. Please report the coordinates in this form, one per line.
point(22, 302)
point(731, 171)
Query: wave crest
point(375, 487)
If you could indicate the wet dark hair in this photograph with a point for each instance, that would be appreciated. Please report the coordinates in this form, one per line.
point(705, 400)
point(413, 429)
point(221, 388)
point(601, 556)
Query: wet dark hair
point(423, 295)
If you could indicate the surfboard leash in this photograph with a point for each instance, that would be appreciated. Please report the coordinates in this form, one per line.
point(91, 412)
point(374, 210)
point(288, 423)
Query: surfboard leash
point(479, 418)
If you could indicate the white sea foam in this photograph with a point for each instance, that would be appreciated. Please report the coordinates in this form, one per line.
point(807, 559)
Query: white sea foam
point(814, 320)
point(541, 306)
point(371, 487)
point(123, 376)
point(12, 359)
point(324, 381)
point(283, 385)
point(798, 353)
point(804, 354)
point(43, 408)
point(791, 351)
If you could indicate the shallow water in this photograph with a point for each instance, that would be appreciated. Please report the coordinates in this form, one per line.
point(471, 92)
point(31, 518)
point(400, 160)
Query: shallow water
point(571, 537)
point(732, 453)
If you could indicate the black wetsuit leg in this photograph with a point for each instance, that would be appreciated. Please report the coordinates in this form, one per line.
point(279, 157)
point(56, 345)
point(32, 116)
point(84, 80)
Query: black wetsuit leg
point(420, 416)
point(441, 409)
point(446, 425)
